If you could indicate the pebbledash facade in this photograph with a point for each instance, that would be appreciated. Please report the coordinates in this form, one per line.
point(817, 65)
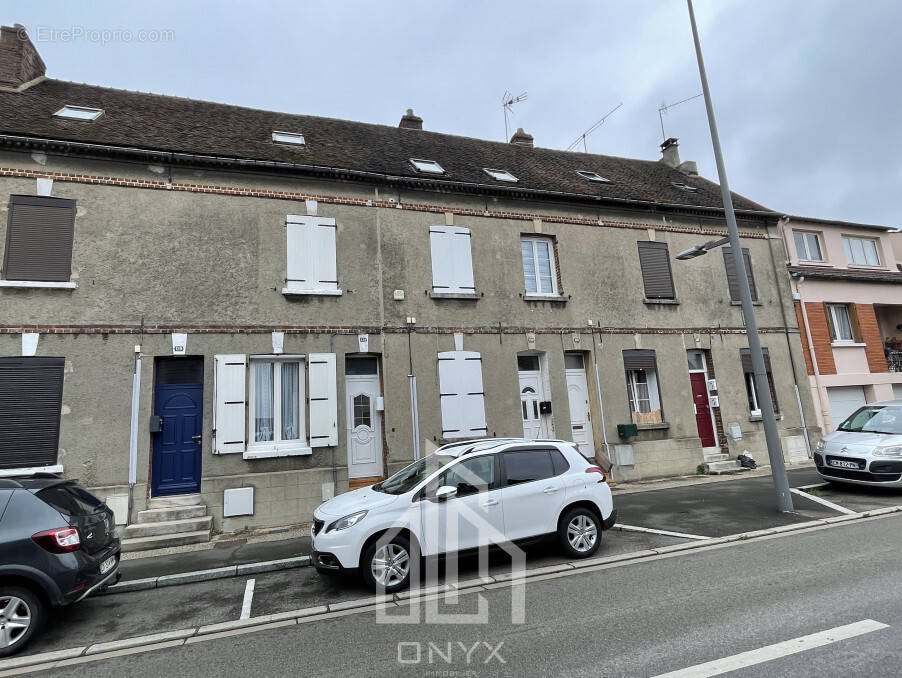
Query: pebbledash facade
point(280, 282)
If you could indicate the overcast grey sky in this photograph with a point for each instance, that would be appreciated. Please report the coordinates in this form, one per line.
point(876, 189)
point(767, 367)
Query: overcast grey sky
point(807, 92)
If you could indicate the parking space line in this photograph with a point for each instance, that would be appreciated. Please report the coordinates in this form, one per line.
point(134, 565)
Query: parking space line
point(777, 650)
point(248, 599)
point(812, 487)
point(665, 533)
point(821, 500)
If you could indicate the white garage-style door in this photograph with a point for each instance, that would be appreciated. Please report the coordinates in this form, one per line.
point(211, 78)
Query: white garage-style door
point(844, 400)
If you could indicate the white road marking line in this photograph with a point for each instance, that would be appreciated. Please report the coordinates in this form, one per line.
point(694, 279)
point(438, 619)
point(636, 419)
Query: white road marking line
point(682, 535)
point(821, 500)
point(248, 599)
point(776, 651)
point(811, 487)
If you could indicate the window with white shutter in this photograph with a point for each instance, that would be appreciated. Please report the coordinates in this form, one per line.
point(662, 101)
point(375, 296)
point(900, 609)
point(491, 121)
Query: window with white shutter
point(229, 395)
point(311, 265)
point(323, 400)
point(461, 394)
point(452, 260)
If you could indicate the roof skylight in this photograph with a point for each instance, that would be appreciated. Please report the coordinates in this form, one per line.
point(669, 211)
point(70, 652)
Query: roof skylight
point(428, 166)
point(79, 113)
point(684, 187)
point(593, 176)
point(500, 175)
point(293, 138)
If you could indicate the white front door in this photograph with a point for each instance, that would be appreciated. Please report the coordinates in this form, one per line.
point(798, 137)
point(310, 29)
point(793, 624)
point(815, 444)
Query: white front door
point(530, 395)
point(578, 396)
point(364, 423)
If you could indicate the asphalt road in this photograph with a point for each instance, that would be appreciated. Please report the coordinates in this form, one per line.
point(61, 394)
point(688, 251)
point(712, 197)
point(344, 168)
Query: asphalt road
point(642, 619)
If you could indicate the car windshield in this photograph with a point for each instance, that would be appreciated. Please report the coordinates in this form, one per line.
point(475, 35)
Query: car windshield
point(408, 478)
point(875, 419)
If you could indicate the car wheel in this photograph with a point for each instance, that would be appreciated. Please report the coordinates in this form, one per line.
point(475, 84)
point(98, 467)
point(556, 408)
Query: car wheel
point(21, 614)
point(387, 563)
point(579, 533)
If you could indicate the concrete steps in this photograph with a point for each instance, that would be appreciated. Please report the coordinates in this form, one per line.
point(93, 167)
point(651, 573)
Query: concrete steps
point(724, 466)
point(716, 457)
point(167, 522)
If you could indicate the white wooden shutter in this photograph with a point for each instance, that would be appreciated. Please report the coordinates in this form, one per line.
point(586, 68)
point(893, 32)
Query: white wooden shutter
point(311, 252)
point(323, 400)
point(461, 394)
point(452, 259)
point(229, 396)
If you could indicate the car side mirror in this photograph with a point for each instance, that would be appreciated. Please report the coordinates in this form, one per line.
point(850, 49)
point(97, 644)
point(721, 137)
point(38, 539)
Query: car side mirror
point(445, 492)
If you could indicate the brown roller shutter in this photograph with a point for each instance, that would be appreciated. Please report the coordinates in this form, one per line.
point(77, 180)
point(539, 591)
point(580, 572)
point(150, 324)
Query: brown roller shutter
point(31, 392)
point(657, 277)
point(746, 356)
point(733, 280)
point(39, 239)
point(639, 359)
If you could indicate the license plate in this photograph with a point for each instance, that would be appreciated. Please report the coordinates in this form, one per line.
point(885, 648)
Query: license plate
point(842, 463)
point(107, 564)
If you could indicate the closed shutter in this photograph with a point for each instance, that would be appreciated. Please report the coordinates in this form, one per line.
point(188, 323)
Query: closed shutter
point(229, 396)
point(323, 400)
point(39, 239)
point(654, 259)
point(639, 359)
point(31, 393)
point(732, 278)
point(452, 260)
point(310, 246)
point(746, 356)
point(461, 394)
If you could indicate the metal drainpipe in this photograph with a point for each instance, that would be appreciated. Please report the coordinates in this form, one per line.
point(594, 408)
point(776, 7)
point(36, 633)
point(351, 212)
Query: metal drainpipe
point(133, 439)
point(825, 411)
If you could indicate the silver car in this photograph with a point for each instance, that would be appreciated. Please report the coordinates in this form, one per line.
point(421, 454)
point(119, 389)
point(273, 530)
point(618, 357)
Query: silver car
point(866, 449)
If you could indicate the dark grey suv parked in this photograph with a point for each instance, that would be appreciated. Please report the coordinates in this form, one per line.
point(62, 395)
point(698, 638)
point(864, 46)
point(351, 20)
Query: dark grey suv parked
point(58, 543)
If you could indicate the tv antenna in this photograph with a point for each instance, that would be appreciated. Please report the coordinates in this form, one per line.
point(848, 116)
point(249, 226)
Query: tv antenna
point(582, 137)
point(664, 108)
point(507, 103)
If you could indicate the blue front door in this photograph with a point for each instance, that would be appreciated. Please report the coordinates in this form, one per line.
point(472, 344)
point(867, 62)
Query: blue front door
point(177, 448)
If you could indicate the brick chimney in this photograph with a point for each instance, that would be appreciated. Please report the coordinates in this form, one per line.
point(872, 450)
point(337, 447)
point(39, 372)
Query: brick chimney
point(521, 138)
point(670, 152)
point(410, 121)
point(19, 60)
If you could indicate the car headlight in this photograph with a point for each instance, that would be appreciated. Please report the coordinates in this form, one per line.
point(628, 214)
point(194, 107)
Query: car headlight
point(346, 522)
point(821, 446)
point(889, 451)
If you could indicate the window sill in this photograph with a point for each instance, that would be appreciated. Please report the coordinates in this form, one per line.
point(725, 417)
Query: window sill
point(662, 302)
point(553, 298)
point(276, 451)
point(753, 418)
point(454, 295)
point(813, 262)
point(847, 344)
point(739, 303)
point(39, 284)
point(7, 472)
point(653, 427)
point(295, 291)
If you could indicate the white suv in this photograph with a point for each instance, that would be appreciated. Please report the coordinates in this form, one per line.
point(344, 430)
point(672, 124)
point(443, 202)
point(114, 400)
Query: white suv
point(464, 496)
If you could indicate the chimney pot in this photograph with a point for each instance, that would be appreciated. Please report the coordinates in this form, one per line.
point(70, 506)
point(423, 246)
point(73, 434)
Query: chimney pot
point(19, 59)
point(410, 120)
point(521, 138)
point(670, 152)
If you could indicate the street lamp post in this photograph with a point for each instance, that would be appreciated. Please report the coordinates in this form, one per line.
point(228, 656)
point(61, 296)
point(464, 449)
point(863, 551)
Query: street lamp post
point(774, 447)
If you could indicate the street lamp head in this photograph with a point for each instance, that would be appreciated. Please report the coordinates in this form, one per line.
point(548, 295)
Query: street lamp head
point(692, 252)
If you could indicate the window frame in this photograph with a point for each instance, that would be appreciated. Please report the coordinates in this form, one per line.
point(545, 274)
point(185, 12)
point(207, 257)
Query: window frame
point(277, 443)
point(817, 240)
point(834, 327)
point(751, 387)
point(652, 245)
point(500, 175)
point(848, 249)
point(300, 233)
point(67, 210)
point(552, 256)
point(457, 261)
point(296, 139)
point(67, 109)
point(595, 177)
point(427, 166)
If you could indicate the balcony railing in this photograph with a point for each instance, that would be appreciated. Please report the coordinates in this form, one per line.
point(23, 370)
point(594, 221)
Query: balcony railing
point(894, 361)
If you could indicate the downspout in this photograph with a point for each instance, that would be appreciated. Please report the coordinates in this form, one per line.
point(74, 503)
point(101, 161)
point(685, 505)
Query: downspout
point(133, 437)
point(792, 363)
point(604, 430)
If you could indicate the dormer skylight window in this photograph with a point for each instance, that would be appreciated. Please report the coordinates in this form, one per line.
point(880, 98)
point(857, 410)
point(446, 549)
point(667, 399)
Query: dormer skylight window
point(593, 176)
point(684, 187)
point(79, 113)
point(291, 138)
point(500, 175)
point(428, 166)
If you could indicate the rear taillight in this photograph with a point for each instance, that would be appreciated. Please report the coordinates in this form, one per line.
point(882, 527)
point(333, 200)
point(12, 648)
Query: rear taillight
point(58, 540)
point(595, 469)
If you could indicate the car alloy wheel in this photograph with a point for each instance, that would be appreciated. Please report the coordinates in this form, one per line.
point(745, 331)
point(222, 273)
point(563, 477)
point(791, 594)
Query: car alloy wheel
point(15, 620)
point(582, 533)
point(390, 565)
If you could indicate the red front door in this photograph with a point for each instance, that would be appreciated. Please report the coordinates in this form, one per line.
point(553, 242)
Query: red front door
point(702, 409)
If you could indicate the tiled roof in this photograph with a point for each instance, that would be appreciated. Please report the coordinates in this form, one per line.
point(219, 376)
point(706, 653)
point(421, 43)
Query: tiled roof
point(849, 274)
point(174, 124)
